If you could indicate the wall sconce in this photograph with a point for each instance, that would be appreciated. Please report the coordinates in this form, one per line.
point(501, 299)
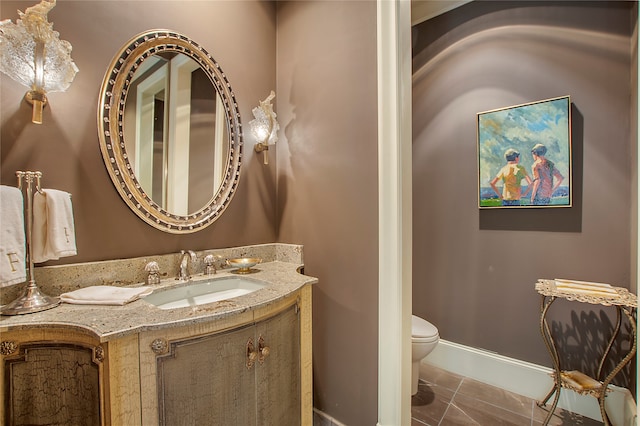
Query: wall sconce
point(32, 54)
point(265, 126)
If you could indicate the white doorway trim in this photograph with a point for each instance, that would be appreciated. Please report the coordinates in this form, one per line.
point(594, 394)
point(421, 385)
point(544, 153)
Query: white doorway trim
point(394, 212)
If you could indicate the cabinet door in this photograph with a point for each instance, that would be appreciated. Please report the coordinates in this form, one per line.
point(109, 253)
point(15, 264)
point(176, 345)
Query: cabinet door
point(278, 374)
point(206, 381)
point(54, 384)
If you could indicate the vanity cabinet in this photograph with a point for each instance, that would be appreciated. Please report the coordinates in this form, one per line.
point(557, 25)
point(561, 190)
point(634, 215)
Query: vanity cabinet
point(253, 368)
point(245, 361)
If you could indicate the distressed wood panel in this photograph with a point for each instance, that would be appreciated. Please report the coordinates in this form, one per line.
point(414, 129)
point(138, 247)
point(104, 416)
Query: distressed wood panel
point(205, 381)
point(123, 382)
point(148, 362)
point(53, 385)
point(306, 356)
point(278, 377)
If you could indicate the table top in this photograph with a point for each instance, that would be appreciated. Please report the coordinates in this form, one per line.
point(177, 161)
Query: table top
point(587, 292)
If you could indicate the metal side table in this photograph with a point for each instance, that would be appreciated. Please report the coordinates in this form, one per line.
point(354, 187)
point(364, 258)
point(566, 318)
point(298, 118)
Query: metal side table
point(625, 303)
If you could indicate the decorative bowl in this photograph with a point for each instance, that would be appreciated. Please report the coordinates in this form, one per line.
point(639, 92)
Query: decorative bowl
point(244, 264)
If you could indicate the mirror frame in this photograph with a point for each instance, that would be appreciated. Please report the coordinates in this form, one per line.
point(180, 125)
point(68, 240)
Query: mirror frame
point(113, 94)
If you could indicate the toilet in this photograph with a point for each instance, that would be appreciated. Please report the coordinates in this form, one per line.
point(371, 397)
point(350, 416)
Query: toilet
point(424, 338)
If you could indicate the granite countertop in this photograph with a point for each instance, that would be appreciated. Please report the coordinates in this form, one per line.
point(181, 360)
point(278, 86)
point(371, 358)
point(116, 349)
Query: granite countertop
point(110, 322)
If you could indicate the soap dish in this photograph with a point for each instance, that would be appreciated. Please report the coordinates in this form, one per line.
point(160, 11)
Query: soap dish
point(244, 264)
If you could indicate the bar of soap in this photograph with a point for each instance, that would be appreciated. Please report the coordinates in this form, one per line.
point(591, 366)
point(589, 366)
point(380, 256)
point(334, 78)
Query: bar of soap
point(579, 380)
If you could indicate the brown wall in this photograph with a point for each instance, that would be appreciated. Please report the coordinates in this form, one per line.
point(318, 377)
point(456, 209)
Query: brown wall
point(327, 190)
point(241, 38)
point(479, 267)
point(327, 160)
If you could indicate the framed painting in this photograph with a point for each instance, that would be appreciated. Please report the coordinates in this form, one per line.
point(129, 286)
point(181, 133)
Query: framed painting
point(524, 155)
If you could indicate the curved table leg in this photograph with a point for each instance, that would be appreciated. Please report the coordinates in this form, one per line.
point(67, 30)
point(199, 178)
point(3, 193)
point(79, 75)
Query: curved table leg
point(551, 347)
point(632, 321)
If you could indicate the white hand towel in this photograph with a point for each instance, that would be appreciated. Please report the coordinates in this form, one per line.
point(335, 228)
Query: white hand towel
point(53, 234)
point(105, 295)
point(13, 247)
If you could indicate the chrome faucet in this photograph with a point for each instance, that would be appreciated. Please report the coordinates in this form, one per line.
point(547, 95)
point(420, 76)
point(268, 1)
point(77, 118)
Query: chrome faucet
point(183, 274)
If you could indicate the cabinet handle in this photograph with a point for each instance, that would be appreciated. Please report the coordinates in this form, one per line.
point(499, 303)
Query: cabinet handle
point(263, 349)
point(251, 354)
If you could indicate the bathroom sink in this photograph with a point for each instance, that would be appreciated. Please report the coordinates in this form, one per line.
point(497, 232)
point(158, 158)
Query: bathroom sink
point(201, 292)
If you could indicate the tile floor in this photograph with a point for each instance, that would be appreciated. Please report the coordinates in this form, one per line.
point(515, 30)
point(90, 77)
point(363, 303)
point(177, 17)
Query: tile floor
point(446, 399)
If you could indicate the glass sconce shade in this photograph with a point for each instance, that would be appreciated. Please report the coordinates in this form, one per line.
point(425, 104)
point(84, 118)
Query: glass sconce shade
point(32, 54)
point(265, 126)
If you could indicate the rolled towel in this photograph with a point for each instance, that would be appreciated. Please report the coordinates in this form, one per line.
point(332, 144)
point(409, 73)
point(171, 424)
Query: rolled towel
point(105, 295)
point(13, 248)
point(53, 234)
point(584, 287)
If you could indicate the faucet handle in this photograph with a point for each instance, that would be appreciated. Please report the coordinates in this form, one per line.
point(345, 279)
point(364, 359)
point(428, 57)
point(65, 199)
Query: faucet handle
point(153, 276)
point(210, 264)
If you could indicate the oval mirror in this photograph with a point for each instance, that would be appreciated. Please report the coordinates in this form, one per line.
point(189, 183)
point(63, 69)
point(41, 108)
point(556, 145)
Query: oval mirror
point(170, 131)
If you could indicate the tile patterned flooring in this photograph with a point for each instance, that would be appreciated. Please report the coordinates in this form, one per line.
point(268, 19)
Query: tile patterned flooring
point(446, 399)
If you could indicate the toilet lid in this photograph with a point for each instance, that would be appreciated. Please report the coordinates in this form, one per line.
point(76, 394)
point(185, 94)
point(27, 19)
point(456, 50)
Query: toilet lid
point(422, 328)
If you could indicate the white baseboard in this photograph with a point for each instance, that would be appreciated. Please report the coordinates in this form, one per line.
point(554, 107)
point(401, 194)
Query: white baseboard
point(323, 419)
point(530, 380)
